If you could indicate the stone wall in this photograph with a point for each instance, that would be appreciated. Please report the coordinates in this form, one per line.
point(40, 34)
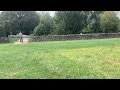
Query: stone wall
point(4, 40)
point(74, 37)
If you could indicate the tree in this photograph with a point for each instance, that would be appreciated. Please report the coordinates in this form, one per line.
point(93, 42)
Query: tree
point(27, 21)
point(70, 22)
point(109, 22)
point(40, 30)
point(59, 26)
point(75, 22)
point(118, 30)
point(92, 22)
point(8, 18)
point(2, 31)
point(46, 24)
point(15, 21)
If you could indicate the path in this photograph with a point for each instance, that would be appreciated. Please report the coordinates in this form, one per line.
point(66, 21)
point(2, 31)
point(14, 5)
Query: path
point(25, 41)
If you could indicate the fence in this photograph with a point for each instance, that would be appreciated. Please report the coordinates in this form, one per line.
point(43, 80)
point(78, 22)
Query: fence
point(14, 38)
point(4, 40)
point(74, 37)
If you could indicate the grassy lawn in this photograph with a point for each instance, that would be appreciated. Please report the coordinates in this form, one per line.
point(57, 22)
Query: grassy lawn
point(81, 59)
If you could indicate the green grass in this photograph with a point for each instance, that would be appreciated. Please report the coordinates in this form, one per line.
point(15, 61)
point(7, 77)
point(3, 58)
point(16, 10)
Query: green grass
point(82, 59)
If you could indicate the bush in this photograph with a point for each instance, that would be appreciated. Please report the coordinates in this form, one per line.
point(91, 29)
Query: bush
point(31, 34)
point(2, 32)
point(41, 29)
point(85, 30)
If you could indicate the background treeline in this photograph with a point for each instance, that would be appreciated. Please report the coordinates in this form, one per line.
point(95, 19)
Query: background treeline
point(63, 22)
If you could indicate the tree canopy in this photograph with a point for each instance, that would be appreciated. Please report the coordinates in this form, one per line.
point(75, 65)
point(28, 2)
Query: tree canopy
point(15, 21)
point(46, 24)
point(63, 22)
point(109, 22)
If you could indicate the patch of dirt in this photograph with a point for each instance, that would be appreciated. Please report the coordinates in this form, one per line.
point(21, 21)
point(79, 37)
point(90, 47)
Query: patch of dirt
point(25, 41)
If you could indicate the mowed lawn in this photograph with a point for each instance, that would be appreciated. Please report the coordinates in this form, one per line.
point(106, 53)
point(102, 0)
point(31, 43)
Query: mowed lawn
point(79, 59)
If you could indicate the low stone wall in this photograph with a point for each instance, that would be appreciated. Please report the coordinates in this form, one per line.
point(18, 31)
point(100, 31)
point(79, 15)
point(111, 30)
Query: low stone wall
point(4, 40)
point(74, 37)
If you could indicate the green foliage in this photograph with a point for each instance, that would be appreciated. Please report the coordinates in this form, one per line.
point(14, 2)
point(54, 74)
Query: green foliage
point(45, 26)
point(93, 21)
point(109, 22)
point(28, 20)
point(15, 21)
point(64, 22)
point(118, 28)
point(75, 22)
point(69, 22)
point(2, 32)
point(40, 30)
point(59, 28)
point(86, 30)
